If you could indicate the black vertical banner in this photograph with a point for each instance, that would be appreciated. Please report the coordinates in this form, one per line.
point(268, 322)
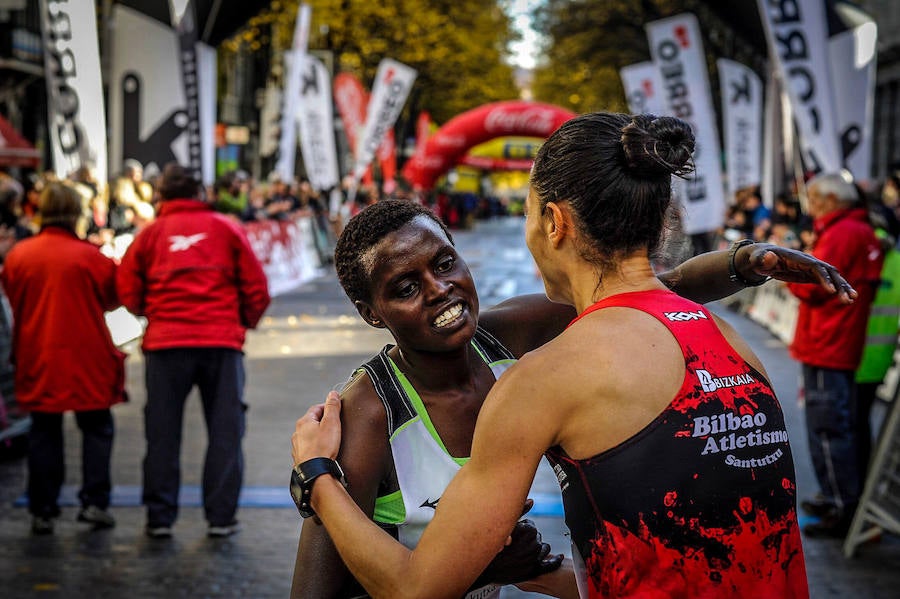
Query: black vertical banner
point(187, 52)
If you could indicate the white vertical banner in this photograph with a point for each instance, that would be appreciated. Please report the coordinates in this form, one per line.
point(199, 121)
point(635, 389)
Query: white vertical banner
point(270, 121)
point(287, 146)
point(797, 32)
point(393, 81)
point(677, 50)
point(773, 140)
point(149, 121)
point(742, 104)
point(643, 88)
point(208, 82)
point(315, 118)
point(851, 57)
point(77, 118)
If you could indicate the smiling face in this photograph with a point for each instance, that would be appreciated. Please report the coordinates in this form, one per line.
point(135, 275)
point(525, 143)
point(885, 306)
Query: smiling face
point(421, 290)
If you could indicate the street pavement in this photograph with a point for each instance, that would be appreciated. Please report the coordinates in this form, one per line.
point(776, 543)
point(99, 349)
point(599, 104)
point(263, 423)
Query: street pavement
point(309, 341)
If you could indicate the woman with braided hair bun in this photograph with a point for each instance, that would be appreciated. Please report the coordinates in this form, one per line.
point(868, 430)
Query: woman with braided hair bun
point(665, 435)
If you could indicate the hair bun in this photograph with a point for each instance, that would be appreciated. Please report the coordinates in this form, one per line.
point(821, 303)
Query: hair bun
point(658, 146)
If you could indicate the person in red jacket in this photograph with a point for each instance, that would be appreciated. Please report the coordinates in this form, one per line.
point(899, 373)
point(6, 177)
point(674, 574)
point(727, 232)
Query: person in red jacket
point(59, 287)
point(828, 342)
point(194, 276)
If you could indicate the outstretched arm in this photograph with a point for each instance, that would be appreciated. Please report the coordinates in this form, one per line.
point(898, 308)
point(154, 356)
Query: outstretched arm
point(703, 278)
point(707, 277)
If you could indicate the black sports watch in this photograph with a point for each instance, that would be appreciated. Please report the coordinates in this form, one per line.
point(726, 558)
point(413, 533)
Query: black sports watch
point(302, 477)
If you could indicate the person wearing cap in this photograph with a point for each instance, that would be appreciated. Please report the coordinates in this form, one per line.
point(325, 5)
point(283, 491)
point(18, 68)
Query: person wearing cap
point(193, 275)
point(828, 342)
point(59, 287)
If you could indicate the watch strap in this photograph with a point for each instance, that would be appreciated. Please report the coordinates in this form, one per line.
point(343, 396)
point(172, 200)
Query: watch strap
point(303, 476)
point(733, 273)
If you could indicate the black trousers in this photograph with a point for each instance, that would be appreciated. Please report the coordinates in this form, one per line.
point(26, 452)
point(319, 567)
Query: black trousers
point(170, 376)
point(46, 460)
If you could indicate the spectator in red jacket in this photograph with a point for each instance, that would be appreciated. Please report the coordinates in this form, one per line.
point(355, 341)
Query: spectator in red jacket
point(59, 287)
point(828, 342)
point(193, 275)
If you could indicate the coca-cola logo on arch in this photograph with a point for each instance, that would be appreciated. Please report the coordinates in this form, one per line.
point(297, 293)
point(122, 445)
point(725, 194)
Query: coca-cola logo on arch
point(451, 141)
point(536, 121)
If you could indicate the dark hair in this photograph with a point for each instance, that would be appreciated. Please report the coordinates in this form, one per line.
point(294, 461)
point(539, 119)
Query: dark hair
point(178, 182)
point(365, 230)
point(615, 171)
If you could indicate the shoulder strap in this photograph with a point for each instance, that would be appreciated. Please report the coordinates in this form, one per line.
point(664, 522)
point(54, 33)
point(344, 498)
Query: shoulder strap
point(490, 347)
point(397, 405)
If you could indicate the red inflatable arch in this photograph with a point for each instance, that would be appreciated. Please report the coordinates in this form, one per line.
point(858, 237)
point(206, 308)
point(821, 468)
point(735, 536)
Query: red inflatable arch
point(450, 143)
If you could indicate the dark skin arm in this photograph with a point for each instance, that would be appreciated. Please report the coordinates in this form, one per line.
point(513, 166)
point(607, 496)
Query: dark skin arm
point(529, 321)
point(365, 457)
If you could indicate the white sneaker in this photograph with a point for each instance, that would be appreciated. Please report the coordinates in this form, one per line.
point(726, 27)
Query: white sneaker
point(223, 531)
point(100, 518)
point(158, 532)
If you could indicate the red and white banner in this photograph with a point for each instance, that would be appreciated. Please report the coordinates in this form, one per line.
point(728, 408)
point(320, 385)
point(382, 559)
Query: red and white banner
point(393, 82)
point(148, 121)
point(351, 99)
point(643, 88)
point(742, 105)
point(851, 57)
point(286, 250)
point(387, 159)
point(77, 118)
point(316, 120)
point(797, 32)
point(677, 50)
point(287, 145)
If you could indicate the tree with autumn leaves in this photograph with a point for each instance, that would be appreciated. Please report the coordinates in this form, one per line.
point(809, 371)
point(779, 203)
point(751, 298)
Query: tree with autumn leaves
point(458, 47)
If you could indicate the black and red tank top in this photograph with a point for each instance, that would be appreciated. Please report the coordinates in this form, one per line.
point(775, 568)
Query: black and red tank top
point(702, 501)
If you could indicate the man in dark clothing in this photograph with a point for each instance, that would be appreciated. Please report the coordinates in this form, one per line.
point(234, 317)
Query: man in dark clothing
point(194, 276)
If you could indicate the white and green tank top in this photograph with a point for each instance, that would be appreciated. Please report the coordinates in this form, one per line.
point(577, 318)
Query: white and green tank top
point(424, 466)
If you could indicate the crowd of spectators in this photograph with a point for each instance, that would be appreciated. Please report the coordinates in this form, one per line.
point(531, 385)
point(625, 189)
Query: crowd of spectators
point(788, 224)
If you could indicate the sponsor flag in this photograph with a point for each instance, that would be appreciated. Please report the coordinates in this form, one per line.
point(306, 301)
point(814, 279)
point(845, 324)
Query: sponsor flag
point(643, 88)
point(185, 25)
point(423, 132)
point(148, 110)
point(287, 146)
point(270, 122)
point(677, 51)
point(393, 81)
point(387, 159)
point(774, 139)
point(797, 34)
point(351, 99)
point(741, 90)
point(851, 57)
point(76, 118)
point(315, 118)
